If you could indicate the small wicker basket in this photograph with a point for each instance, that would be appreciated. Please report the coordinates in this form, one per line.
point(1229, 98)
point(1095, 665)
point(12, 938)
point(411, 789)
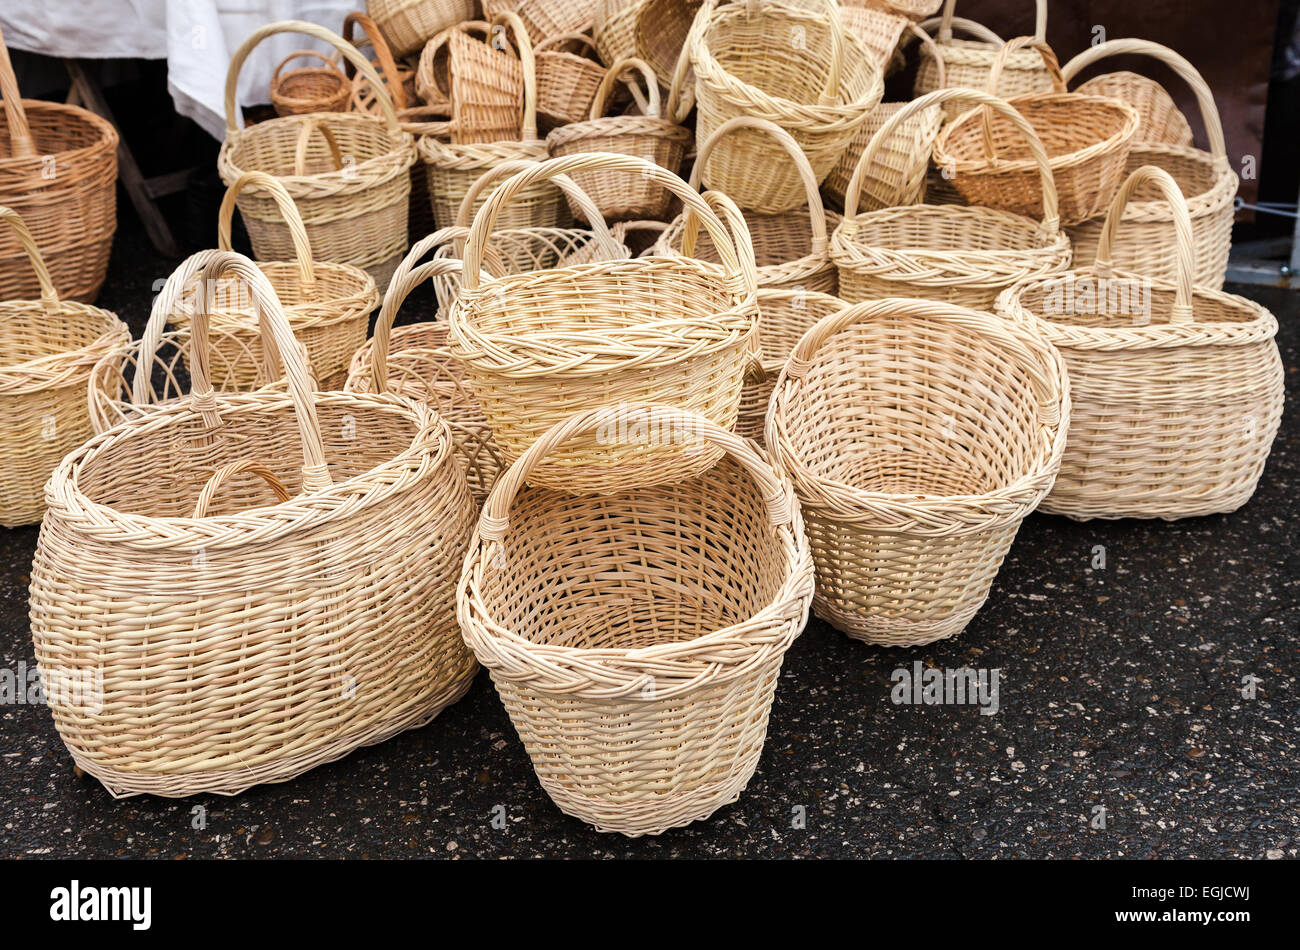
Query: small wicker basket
point(309, 88)
point(566, 81)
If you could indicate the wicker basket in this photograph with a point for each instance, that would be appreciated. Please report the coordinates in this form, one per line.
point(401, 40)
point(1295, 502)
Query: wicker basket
point(1145, 244)
point(1087, 138)
point(433, 68)
point(897, 176)
point(399, 79)
point(277, 634)
point(58, 171)
point(792, 250)
point(968, 63)
point(660, 34)
point(48, 348)
point(613, 28)
point(642, 693)
point(543, 345)
point(309, 88)
point(652, 137)
point(1177, 390)
point(409, 24)
point(912, 9)
point(351, 183)
point(566, 82)
point(919, 435)
point(546, 18)
point(960, 255)
point(740, 53)
point(879, 30)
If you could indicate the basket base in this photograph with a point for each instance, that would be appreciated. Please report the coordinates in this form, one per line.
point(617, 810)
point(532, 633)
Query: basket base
point(883, 632)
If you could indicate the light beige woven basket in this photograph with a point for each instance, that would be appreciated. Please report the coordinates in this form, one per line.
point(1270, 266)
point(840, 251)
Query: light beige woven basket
point(1087, 138)
point(642, 693)
point(546, 18)
point(280, 634)
point(790, 65)
point(58, 171)
point(309, 88)
point(879, 30)
point(540, 346)
point(960, 255)
point(433, 68)
point(566, 81)
point(348, 173)
point(409, 24)
point(918, 435)
point(653, 137)
point(1177, 389)
point(792, 249)
point(48, 349)
point(1145, 245)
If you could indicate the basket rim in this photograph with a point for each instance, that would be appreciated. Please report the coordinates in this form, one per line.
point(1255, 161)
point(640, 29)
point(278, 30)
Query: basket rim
point(1206, 202)
point(53, 369)
point(107, 141)
point(474, 155)
point(360, 300)
point(769, 275)
point(608, 126)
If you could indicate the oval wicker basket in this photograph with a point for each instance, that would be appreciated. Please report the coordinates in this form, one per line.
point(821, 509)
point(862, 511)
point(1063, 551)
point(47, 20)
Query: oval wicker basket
point(351, 183)
point(408, 24)
point(304, 628)
point(309, 88)
point(1177, 389)
point(399, 79)
point(918, 435)
point(652, 137)
point(956, 254)
point(540, 346)
point(58, 171)
point(642, 694)
point(566, 82)
point(791, 249)
point(1087, 139)
point(741, 53)
point(546, 18)
point(48, 349)
point(1145, 244)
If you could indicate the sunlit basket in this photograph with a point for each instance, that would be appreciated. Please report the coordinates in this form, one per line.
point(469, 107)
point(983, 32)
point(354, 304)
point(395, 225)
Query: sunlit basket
point(409, 24)
point(1177, 389)
point(58, 171)
point(1087, 139)
point(348, 173)
point(655, 137)
point(956, 254)
point(541, 346)
point(48, 348)
point(642, 691)
point(791, 249)
point(257, 611)
point(309, 88)
point(1145, 244)
point(546, 18)
point(399, 79)
point(793, 66)
point(566, 81)
point(918, 435)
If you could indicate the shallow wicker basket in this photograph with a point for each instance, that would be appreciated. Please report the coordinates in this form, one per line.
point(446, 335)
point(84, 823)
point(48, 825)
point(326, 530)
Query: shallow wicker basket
point(351, 182)
point(1177, 389)
point(409, 24)
point(642, 692)
point(540, 346)
point(309, 88)
point(289, 618)
point(58, 171)
point(919, 435)
point(566, 82)
point(960, 255)
point(48, 349)
point(546, 18)
point(791, 249)
point(654, 137)
point(1087, 139)
point(746, 63)
point(1145, 244)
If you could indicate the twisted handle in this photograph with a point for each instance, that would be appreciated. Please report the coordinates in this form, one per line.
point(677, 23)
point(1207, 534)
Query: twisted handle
point(627, 64)
point(314, 123)
point(288, 211)
point(226, 472)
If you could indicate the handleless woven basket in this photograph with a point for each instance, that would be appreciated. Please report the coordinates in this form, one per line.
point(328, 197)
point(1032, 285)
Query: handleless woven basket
point(959, 255)
point(48, 349)
point(541, 346)
point(919, 435)
point(237, 630)
point(1177, 389)
point(347, 173)
point(309, 88)
point(409, 24)
point(58, 171)
point(642, 693)
point(1145, 244)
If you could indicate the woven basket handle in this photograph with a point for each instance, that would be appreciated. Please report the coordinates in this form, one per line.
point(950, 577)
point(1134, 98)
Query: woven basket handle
point(777, 496)
point(995, 75)
point(561, 38)
point(304, 54)
point(272, 323)
point(738, 282)
point(387, 65)
point(288, 211)
point(312, 123)
point(679, 103)
point(816, 208)
point(20, 134)
point(946, 20)
point(918, 31)
point(223, 474)
point(49, 294)
point(431, 49)
point(1051, 204)
point(972, 29)
point(348, 51)
point(628, 64)
point(1185, 70)
point(507, 18)
point(1185, 253)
